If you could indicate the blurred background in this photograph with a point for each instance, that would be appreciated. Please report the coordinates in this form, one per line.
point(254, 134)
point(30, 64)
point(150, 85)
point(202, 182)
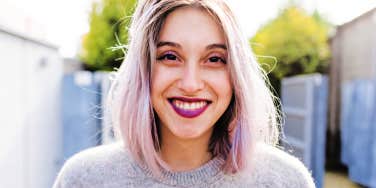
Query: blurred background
point(57, 57)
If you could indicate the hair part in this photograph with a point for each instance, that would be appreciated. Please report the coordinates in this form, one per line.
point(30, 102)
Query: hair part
point(250, 118)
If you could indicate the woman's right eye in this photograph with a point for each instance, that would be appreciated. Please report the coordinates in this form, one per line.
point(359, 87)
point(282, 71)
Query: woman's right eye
point(169, 57)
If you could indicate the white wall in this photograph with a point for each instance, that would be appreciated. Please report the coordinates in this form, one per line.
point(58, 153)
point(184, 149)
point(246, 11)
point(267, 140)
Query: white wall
point(356, 44)
point(30, 136)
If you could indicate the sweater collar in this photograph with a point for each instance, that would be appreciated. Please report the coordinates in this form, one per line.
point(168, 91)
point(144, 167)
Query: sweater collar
point(209, 172)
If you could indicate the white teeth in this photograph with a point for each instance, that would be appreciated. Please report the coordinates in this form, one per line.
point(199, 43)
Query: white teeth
point(189, 105)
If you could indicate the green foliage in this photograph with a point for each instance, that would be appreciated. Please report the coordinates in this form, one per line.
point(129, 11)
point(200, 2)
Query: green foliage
point(298, 41)
point(109, 20)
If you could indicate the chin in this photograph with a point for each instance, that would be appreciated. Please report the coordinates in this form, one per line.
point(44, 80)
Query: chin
point(189, 131)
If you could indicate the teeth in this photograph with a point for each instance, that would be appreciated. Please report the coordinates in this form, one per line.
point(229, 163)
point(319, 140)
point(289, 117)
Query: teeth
point(189, 105)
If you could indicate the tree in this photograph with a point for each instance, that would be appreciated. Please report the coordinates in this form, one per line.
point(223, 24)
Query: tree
point(293, 43)
point(109, 20)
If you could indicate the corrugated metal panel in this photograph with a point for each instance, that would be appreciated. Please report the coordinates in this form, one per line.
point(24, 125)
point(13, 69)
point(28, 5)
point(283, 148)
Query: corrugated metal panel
point(81, 116)
point(304, 100)
point(30, 108)
point(103, 79)
point(359, 131)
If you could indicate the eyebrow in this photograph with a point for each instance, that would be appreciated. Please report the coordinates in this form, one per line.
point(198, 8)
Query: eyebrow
point(212, 46)
point(167, 43)
point(173, 44)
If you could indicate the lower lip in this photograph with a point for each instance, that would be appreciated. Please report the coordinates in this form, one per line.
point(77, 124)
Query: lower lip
point(189, 113)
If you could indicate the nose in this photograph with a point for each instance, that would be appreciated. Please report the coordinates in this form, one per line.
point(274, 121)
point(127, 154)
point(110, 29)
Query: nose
point(191, 81)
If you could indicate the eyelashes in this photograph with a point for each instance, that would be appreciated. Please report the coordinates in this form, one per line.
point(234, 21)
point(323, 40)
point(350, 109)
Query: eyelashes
point(170, 56)
point(215, 59)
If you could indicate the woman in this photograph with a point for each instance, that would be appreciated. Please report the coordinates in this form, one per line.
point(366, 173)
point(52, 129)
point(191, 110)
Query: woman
point(192, 108)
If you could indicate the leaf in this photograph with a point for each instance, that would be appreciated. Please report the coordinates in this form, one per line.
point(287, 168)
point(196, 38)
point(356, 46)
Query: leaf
point(109, 20)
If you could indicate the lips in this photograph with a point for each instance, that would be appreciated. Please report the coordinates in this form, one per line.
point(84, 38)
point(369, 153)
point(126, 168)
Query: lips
point(189, 107)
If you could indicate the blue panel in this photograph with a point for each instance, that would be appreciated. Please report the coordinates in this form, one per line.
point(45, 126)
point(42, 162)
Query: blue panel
point(81, 123)
point(313, 104)
point(359, 131)
point(319, 130)
point(345, 120)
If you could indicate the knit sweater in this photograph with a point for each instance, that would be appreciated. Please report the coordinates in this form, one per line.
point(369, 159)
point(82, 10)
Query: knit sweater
point(111, 166)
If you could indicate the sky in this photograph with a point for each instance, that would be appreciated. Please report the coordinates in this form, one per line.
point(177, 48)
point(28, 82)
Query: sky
point(63, 23)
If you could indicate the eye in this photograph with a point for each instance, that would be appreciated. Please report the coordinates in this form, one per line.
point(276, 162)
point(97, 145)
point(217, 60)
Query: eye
point(217, 59)
point(167, 56)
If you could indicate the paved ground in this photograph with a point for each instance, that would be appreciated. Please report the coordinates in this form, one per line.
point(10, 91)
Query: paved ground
point(338, 180)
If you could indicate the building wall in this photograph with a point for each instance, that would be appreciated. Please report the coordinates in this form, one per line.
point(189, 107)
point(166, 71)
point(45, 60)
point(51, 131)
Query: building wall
point(357, 48)
point(353, 57)
point(30, 138)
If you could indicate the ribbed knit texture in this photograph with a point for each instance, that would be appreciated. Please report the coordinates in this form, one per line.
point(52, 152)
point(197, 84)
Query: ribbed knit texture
point(110, 166)
point(209, 171)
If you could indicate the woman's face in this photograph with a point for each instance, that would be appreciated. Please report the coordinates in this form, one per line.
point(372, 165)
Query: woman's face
point(190, 83)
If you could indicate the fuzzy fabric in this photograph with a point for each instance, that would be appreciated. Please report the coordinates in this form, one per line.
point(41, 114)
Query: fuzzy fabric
point(111, 166)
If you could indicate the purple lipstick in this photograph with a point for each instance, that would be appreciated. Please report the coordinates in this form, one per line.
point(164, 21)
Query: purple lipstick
point(189, 107)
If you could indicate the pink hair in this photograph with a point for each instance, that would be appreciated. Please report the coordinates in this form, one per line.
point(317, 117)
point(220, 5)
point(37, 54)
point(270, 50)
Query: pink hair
point(250, 118)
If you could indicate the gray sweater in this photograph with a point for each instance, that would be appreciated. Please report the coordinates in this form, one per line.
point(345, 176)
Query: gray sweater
point(110, 166)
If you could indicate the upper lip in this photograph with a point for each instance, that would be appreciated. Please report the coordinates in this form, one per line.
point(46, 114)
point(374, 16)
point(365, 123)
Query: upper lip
point(189, 99)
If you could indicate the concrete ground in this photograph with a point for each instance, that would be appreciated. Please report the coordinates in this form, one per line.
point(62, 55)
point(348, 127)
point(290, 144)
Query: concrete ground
point(338, 180)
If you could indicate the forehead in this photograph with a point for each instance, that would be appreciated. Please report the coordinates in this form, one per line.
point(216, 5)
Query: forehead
point(192, 25)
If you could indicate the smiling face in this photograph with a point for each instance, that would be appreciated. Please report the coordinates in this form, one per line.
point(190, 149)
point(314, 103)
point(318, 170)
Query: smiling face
point(190, 83)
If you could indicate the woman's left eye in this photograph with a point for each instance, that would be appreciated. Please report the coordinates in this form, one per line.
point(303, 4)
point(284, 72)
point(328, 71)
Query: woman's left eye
point(170, 57)
point(215, 59)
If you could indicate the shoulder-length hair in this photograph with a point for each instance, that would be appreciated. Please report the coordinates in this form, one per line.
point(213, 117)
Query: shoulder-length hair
point(250, 118)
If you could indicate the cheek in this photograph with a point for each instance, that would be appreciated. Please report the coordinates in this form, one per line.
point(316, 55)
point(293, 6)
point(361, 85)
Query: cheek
point(155, 84)
point(161, 79)
point(221, 84)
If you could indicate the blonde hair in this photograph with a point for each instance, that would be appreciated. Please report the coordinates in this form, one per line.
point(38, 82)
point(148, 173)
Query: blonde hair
point(250, 118)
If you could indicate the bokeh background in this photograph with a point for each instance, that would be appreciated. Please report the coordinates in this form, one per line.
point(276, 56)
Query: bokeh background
point(57, 58)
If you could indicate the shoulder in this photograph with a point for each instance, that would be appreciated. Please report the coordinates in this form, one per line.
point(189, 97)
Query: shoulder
point(272, 167)
point(96, 166)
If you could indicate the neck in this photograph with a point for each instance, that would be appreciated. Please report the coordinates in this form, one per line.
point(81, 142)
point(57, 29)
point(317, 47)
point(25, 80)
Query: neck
point(185, 154)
